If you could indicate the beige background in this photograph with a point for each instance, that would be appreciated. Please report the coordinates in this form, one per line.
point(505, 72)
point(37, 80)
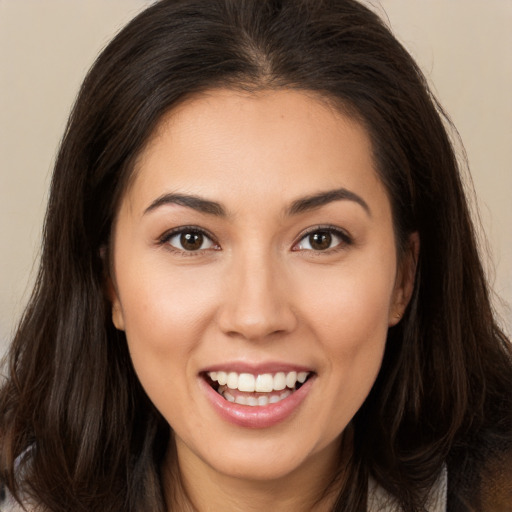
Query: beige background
point(46, 46)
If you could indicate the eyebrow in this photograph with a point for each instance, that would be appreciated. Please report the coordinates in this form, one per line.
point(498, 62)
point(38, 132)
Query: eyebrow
point(190, 201)
point(321, 199)
point(299, 206)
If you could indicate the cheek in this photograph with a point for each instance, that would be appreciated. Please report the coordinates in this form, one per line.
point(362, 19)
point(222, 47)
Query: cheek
point(351, 304)
point(163, 308)
point(166, 313)
point(350, 323)
point(348, 311)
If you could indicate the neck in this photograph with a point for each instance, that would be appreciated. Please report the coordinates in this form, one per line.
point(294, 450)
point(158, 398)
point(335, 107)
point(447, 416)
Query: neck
point(193, 486)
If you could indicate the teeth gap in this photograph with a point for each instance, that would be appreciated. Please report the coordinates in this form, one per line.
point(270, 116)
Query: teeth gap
point(214, 384)
point(298, 384)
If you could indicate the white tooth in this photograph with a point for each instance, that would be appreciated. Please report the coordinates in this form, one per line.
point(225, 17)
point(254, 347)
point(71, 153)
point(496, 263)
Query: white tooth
point(242, 400)
point(291, 379)
point(274, 399)
point(263, 400)
point(279, 381)
point(302, 376)
point(232, 381)
point(246, 382)
point(252, 401)
point(213, 375)
point(285, 394)
point(222, 378)
point(228, 397)
point(264, 383)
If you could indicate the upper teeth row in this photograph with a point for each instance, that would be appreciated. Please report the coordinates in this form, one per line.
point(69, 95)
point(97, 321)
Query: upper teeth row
point(264, 383)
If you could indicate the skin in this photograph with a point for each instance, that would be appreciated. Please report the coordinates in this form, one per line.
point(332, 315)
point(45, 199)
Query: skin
point(258, 292)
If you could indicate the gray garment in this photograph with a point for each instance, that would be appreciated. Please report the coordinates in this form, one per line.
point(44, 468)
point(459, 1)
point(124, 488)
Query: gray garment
point(378, 499)
point(381, 501)
point(7, 503)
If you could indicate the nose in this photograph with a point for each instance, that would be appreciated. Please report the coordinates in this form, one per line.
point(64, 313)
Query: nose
point(257, 302)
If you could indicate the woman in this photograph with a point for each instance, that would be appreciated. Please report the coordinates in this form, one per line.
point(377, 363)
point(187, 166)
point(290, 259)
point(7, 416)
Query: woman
point(260, 286)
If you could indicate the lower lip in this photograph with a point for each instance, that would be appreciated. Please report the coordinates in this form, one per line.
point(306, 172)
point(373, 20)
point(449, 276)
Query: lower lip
point(258, 416)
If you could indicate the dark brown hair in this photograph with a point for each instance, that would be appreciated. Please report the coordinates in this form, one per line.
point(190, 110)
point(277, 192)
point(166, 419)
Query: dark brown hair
point(77, 430)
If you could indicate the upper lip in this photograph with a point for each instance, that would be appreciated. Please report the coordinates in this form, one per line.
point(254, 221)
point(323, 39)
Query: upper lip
point(256, 369)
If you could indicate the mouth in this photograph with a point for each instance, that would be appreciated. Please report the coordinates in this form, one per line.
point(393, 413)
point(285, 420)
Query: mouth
point(256, 390)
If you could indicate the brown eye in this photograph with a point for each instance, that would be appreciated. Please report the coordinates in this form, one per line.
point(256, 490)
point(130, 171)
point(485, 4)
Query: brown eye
point(320, 241)
point(323, 239)
point(189, 240)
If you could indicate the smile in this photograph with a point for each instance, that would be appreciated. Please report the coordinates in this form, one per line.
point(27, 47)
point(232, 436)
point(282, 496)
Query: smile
point(256, 390)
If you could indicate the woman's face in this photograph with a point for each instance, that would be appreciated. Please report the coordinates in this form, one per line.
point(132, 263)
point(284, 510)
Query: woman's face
point(255, 246)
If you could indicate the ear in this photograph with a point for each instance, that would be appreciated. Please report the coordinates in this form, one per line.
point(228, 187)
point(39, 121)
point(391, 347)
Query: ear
point(111, 292)
point(117, 310)
point(405, 277)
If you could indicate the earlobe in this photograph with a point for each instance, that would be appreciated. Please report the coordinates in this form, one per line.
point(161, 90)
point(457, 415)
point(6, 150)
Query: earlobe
point(111, 292)
point(406, 275)
point(117, 310)
point(117, 315)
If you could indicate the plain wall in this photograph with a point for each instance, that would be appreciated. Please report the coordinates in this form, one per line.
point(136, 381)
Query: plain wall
point(46, 47)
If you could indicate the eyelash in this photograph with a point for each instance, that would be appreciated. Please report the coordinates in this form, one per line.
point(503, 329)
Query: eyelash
point(166, 238)
point(345, 240)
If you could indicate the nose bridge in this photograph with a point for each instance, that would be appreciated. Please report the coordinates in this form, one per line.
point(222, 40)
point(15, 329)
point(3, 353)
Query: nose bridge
point(257, 302)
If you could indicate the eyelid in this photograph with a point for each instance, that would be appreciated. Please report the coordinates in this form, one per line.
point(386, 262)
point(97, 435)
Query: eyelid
point(164, 239)
point(346, 239)
point(171, 233)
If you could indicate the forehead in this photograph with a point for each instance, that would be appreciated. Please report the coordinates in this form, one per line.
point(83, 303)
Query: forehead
point(287, 142)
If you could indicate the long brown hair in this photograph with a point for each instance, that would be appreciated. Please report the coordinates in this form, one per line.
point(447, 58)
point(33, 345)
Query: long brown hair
point(77, 430)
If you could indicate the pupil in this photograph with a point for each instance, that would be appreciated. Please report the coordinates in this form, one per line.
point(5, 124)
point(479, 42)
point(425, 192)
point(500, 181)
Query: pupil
point(320, 240)
point(191, 241)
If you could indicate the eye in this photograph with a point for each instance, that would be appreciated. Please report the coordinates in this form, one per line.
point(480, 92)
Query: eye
point(322, 239)
point(189, 240)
